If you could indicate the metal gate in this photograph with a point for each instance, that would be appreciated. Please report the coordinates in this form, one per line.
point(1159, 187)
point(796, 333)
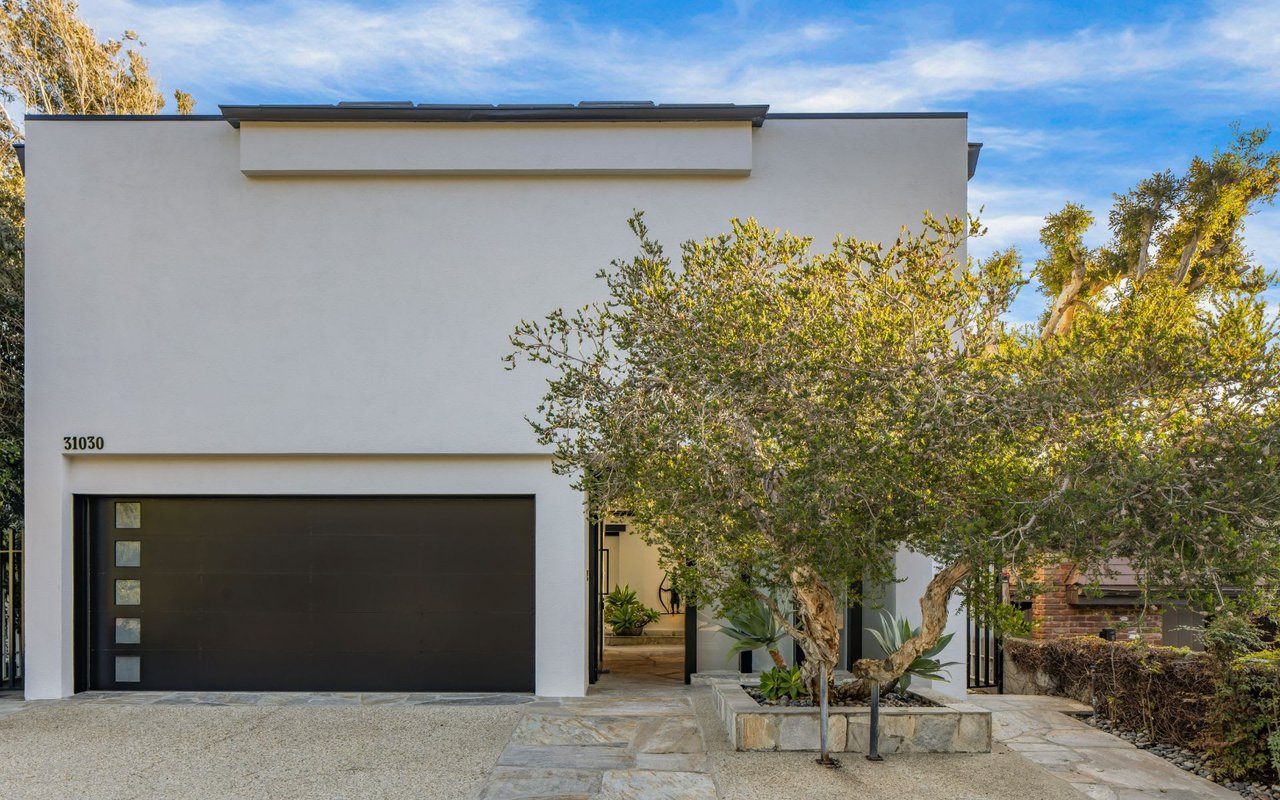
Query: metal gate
point(985, 663)
point(10, 609)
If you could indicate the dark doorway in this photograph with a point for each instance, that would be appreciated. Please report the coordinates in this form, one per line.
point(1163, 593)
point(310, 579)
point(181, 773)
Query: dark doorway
point(667, 650)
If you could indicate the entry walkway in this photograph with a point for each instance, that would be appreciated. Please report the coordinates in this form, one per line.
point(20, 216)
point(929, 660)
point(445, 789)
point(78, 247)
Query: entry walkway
point(637, 738)
point(1102, 766)
point(632, 737)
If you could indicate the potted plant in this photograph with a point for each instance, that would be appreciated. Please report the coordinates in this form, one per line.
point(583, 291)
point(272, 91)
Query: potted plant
point(626, 614)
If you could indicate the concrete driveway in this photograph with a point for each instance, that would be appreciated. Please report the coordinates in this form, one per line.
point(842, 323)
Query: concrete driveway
point(624, 742)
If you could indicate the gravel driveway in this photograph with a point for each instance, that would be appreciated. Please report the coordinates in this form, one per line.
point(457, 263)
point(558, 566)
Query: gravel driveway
point(77, 749)
point(622, 743)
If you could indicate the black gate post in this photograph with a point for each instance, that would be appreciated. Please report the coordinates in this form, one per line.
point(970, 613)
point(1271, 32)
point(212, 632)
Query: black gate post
point(690, 641)
point(595, 641)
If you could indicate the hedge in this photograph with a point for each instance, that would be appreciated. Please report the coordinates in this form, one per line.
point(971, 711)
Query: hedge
point(1176, 696)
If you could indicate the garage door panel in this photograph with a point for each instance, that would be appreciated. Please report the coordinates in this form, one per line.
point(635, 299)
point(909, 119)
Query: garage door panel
point(374, 553)
point(175, 630)
point(368, 592)
point(249, 552)
point(258, 631)
point(252, 591)
point(173, 554)
point(314, 594)
point(504, 553)
point(170, 590)
point(216, 517)
point(454, 591)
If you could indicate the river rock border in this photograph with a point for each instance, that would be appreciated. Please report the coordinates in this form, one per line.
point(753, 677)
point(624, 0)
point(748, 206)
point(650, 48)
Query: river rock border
point(949, 727)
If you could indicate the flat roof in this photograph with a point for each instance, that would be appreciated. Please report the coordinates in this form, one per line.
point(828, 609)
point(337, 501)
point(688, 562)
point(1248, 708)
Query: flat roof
point(586, 111)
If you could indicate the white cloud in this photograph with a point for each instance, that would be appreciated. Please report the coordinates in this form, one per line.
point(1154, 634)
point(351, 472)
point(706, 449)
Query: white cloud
point(326, 48)
point(492, 49)
point(1248, 33)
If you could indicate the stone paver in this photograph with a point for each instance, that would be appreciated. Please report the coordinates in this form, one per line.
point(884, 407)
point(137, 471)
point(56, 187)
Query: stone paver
point(656, 661)
point(1099, 765)
point(631, 738)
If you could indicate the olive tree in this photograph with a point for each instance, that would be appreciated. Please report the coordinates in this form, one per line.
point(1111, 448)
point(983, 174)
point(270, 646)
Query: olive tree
point(784, 421)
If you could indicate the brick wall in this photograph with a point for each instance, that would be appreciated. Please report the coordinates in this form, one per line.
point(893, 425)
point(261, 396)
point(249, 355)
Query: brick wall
point(1058, 618)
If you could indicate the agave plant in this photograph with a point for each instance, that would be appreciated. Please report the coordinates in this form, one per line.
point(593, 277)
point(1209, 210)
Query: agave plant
point(893, 632)
point(626, 614)
point(752, 626)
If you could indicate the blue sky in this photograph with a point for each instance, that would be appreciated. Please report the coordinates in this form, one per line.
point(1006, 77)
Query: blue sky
point(1073, 100)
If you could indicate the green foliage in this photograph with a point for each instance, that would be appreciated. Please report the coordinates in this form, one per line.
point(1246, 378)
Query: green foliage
point(1245, 719)
point(777, 683)
point(1228, 636)
point(751, 625)
point(891, 635)
point(772, 414)
point(626, 614)
point(784, 421)
point(1273, 745)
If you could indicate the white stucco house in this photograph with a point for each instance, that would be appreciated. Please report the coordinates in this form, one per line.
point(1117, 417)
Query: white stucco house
point(270, 441)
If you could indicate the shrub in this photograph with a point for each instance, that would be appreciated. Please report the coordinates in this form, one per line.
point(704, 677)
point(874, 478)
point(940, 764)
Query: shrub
point(893, 632)
point(751, 625)
point(1163, 691)
point(626, 614)
point(1228, 710)
point(778, 683)
point(1243, 739)
point(1228, 636)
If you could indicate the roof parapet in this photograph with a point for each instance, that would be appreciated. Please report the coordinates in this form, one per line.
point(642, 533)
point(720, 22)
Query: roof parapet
point(588, 111)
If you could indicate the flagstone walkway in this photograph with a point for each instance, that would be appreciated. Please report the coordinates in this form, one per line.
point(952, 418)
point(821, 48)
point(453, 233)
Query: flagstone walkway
point(1102, 766)
point(629, 739)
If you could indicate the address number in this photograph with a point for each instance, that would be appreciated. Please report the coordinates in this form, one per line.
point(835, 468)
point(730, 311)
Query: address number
point(83, 443)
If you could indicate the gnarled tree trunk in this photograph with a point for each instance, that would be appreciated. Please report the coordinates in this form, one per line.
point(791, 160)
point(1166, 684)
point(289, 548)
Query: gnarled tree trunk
point(934, 615)
point(818, 620)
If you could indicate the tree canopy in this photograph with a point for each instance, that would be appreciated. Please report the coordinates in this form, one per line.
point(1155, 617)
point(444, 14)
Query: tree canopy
point(783, 421)
point(50, 62)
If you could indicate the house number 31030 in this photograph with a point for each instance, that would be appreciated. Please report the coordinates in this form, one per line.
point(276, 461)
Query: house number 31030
point(83, 443)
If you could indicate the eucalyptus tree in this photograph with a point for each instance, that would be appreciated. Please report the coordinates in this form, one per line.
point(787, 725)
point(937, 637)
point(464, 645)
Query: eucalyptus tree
point(50, 62)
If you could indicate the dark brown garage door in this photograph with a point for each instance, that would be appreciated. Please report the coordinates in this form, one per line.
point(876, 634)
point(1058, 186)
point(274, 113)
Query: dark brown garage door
point(310, 593)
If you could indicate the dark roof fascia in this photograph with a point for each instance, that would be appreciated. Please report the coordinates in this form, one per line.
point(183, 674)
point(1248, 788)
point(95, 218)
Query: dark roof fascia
point(21, 150)
point(1125, 596)
point(868, 115)
point(127, 117)
point(975, 150)
point(590, 112)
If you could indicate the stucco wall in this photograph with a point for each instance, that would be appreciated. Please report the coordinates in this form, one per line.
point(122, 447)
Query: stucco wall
point(177, 307)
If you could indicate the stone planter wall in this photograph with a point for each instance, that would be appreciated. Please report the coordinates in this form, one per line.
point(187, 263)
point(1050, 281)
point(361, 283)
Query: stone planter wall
point(950, 727)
